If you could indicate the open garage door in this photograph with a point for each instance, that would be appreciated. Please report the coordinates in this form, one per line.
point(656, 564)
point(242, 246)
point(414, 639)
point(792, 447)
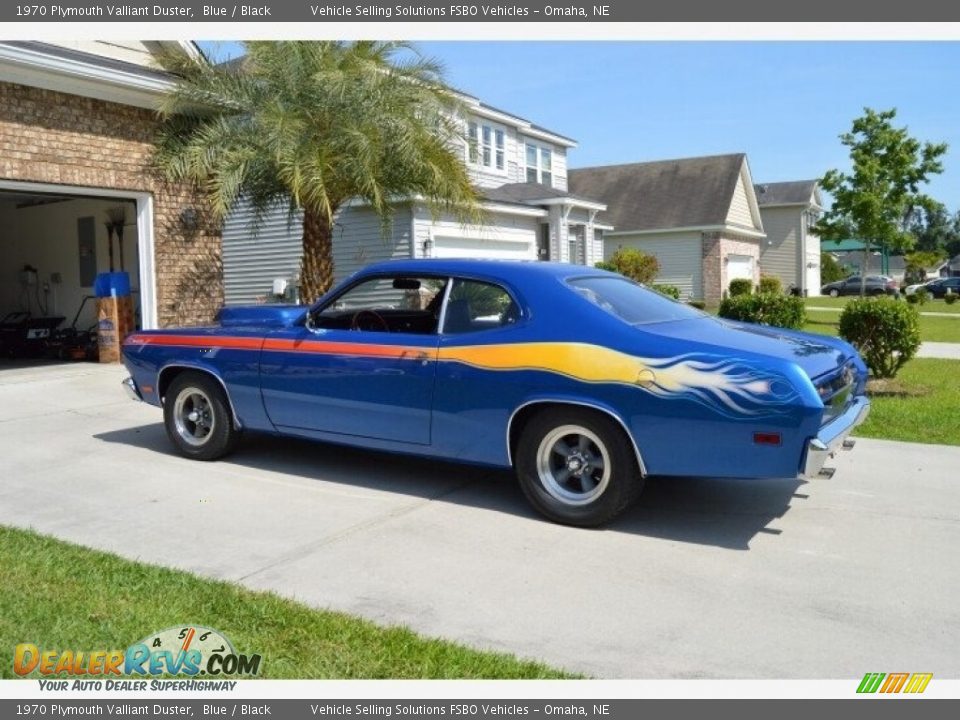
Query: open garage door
point(53, 244)
point(467, 247)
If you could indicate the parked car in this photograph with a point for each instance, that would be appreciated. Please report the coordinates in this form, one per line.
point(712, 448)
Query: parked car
point(876, 285)
point(580, 380)
point(937, 288)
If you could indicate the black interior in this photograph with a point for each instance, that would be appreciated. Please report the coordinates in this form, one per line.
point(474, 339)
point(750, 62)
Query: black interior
point(421, 322)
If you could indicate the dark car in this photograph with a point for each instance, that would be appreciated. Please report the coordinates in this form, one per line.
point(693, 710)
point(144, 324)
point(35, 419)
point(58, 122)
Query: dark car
point(939, 288)
point(876, 285)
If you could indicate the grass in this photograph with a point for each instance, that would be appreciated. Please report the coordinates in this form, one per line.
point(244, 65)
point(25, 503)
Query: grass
point(61, 596)
point(839, 302)
point(919, 405)
point(932, 329)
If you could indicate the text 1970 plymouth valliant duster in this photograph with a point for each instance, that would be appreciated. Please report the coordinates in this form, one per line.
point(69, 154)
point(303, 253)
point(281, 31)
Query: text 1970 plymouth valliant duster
point(581, 380)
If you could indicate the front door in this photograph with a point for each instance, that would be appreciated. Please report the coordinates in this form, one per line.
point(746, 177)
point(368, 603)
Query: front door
point(365, 367)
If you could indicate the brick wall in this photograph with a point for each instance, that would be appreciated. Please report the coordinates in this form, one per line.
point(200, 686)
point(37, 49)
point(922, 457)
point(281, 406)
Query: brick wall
point(52, 137)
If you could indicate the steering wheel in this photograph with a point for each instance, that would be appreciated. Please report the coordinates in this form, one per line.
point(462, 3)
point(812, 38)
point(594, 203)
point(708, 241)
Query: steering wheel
point(377, 319)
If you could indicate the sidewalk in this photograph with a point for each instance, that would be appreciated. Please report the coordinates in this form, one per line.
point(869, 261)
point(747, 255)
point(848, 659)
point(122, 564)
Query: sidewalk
point(946, 351)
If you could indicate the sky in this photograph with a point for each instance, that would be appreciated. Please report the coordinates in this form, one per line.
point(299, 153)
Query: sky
point(782, 103)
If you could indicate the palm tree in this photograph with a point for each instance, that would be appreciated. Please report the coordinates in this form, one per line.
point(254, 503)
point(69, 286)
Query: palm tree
point(314, 125)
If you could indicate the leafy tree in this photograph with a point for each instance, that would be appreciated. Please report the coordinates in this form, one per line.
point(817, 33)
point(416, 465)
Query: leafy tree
point(935, 229)
point(917, 263)
point(632, 263)
point(314, 125)
point(830, 269)
point(877, 200)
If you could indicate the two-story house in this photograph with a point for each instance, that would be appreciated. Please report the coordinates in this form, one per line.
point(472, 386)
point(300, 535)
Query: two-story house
point(521, 171)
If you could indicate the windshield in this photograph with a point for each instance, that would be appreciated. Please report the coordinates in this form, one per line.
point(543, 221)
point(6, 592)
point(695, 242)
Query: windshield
point(631, 302)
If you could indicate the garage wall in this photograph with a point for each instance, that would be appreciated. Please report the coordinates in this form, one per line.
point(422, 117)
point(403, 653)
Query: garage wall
point(53, 137)
point(45, 237)
point(780, 252)
point(679, 254)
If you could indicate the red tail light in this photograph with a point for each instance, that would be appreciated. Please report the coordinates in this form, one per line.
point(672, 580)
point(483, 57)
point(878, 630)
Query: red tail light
point(766, 438)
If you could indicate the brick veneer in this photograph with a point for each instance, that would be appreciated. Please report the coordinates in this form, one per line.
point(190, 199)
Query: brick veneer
point(716, 247)
point(52, 137)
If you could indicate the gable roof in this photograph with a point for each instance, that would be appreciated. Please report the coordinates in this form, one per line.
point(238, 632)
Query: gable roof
point(665, 194)
point(796, 192)
point(529, 192)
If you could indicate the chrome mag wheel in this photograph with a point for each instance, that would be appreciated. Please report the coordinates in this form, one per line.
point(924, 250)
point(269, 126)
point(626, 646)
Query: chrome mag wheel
point(193, 416)
point(573, 465)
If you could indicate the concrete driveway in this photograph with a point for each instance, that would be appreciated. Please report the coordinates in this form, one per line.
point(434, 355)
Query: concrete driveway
point(704, 578)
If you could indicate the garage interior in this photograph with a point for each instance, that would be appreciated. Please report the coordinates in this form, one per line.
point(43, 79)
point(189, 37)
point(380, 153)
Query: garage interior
point(52, 246)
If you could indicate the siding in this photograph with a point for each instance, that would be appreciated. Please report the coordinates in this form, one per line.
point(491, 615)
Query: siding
point(504, 236)
point(679, 254)
point(252, 259)
point(739, 213)
point(780, 252)
point(130, 51)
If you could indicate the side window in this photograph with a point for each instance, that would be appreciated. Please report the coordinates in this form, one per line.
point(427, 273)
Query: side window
point(386, 304)
point(474, 306)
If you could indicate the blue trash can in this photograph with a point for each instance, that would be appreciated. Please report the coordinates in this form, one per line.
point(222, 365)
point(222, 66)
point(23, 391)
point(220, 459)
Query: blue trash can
point(112, 284)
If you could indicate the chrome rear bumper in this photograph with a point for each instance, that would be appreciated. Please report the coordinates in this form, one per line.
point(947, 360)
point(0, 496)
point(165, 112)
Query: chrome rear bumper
point(131, 387)
point(832, 437)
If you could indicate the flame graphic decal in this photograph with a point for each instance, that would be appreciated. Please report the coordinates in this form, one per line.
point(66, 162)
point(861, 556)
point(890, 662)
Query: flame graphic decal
point(731, 387)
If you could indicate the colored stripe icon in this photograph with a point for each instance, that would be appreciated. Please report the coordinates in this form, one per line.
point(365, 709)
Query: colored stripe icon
point(894, 683)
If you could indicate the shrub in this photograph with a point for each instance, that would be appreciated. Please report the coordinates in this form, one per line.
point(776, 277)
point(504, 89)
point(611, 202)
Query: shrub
point(920, 297)
point(740, 286)
point(698, 304)
point(950, 298)
point(770, 284)
point(604, 265)
point(778, 310)
point(830, 269)
point(633, 264)
point(886, 332)
point(668, 290)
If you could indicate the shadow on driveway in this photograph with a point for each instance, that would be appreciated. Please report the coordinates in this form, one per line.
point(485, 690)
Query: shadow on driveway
point(708, 511)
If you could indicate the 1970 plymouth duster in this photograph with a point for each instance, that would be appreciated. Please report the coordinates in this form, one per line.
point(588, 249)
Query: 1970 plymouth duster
point(581, 380)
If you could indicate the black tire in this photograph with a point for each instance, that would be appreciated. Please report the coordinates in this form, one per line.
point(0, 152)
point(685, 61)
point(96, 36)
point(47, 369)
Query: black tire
point(588, 499)
point(210, 434)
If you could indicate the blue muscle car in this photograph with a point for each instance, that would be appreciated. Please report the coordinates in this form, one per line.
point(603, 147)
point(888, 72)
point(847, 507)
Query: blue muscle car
point(581, 380)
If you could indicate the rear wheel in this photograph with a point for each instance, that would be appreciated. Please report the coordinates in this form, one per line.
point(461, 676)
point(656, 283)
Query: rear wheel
point(577, 466)
point(197, 417)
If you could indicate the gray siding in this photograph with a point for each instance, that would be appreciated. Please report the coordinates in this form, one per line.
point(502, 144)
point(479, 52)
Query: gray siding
point(680, 256)
point(252, 259)
point(780, 252)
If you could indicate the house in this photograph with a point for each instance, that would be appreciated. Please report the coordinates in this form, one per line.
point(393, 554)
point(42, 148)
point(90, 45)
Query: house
point(791, 251)
point(699, 216)
point(521, 172)
point(76, 125)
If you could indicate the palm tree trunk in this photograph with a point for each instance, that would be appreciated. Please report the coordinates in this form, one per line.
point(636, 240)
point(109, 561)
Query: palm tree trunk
point(316, 268)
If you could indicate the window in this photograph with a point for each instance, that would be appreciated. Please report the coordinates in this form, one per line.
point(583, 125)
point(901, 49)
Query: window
point(474, 306)
point(631, 302)
point(539, 164)
point(386, 304)
point(486, 146)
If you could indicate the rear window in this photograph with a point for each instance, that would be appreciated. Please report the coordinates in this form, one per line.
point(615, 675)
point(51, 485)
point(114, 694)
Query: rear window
point(631, 302)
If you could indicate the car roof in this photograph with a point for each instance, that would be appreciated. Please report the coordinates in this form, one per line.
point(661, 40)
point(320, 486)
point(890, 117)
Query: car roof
point(507, 270)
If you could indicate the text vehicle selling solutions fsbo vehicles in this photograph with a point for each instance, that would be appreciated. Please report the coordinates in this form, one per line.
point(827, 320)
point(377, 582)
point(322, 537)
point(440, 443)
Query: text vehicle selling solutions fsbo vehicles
point(580, 380)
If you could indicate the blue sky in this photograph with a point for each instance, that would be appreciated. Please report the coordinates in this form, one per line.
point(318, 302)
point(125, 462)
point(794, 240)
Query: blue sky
point(783, 103)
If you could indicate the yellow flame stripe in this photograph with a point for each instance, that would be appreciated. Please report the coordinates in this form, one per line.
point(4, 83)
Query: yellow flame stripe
point(590, 363)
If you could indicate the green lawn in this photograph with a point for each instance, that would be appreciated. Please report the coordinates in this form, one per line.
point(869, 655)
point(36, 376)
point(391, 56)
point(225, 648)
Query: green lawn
point(839, 302)
point(61, 596)
point(922, 404)
point(932, 328)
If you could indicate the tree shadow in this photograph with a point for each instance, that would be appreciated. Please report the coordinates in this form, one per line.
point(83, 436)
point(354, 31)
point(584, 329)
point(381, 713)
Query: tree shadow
point(706, 511)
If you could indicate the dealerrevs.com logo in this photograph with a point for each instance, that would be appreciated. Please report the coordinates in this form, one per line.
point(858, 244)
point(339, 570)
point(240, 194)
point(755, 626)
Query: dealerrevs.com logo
point(891, 683)
point(190, 650)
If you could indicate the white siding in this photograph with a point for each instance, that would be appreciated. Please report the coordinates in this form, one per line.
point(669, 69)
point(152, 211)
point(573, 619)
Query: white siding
point(253, 258)
point(739, 213)
point(780, 252)
point(814, 281)
point(680, 256)
point(131, 51)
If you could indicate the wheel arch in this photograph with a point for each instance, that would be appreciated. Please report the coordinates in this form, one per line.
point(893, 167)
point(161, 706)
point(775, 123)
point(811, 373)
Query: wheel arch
point(524, 412)
point(169, 372)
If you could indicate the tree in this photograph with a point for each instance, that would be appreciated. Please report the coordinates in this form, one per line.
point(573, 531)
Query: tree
point(937, 231)
point(876, 202)
point(830, 269)
point(314, 125)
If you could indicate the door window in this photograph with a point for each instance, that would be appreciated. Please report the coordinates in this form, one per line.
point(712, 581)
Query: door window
point(391, 303)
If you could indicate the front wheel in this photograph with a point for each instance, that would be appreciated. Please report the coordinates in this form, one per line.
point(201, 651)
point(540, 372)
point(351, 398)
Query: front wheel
point(834, 292)
point(577, 466)
point(197, 417)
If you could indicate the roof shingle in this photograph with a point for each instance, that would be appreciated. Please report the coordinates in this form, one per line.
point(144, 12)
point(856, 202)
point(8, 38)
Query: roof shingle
point(797, 192)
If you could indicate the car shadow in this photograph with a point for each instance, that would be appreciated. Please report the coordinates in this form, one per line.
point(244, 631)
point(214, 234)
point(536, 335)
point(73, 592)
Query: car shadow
point(721, 512)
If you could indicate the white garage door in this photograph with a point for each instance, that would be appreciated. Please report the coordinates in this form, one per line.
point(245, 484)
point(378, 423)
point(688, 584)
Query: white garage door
point(739, 266)
point(465, 247)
